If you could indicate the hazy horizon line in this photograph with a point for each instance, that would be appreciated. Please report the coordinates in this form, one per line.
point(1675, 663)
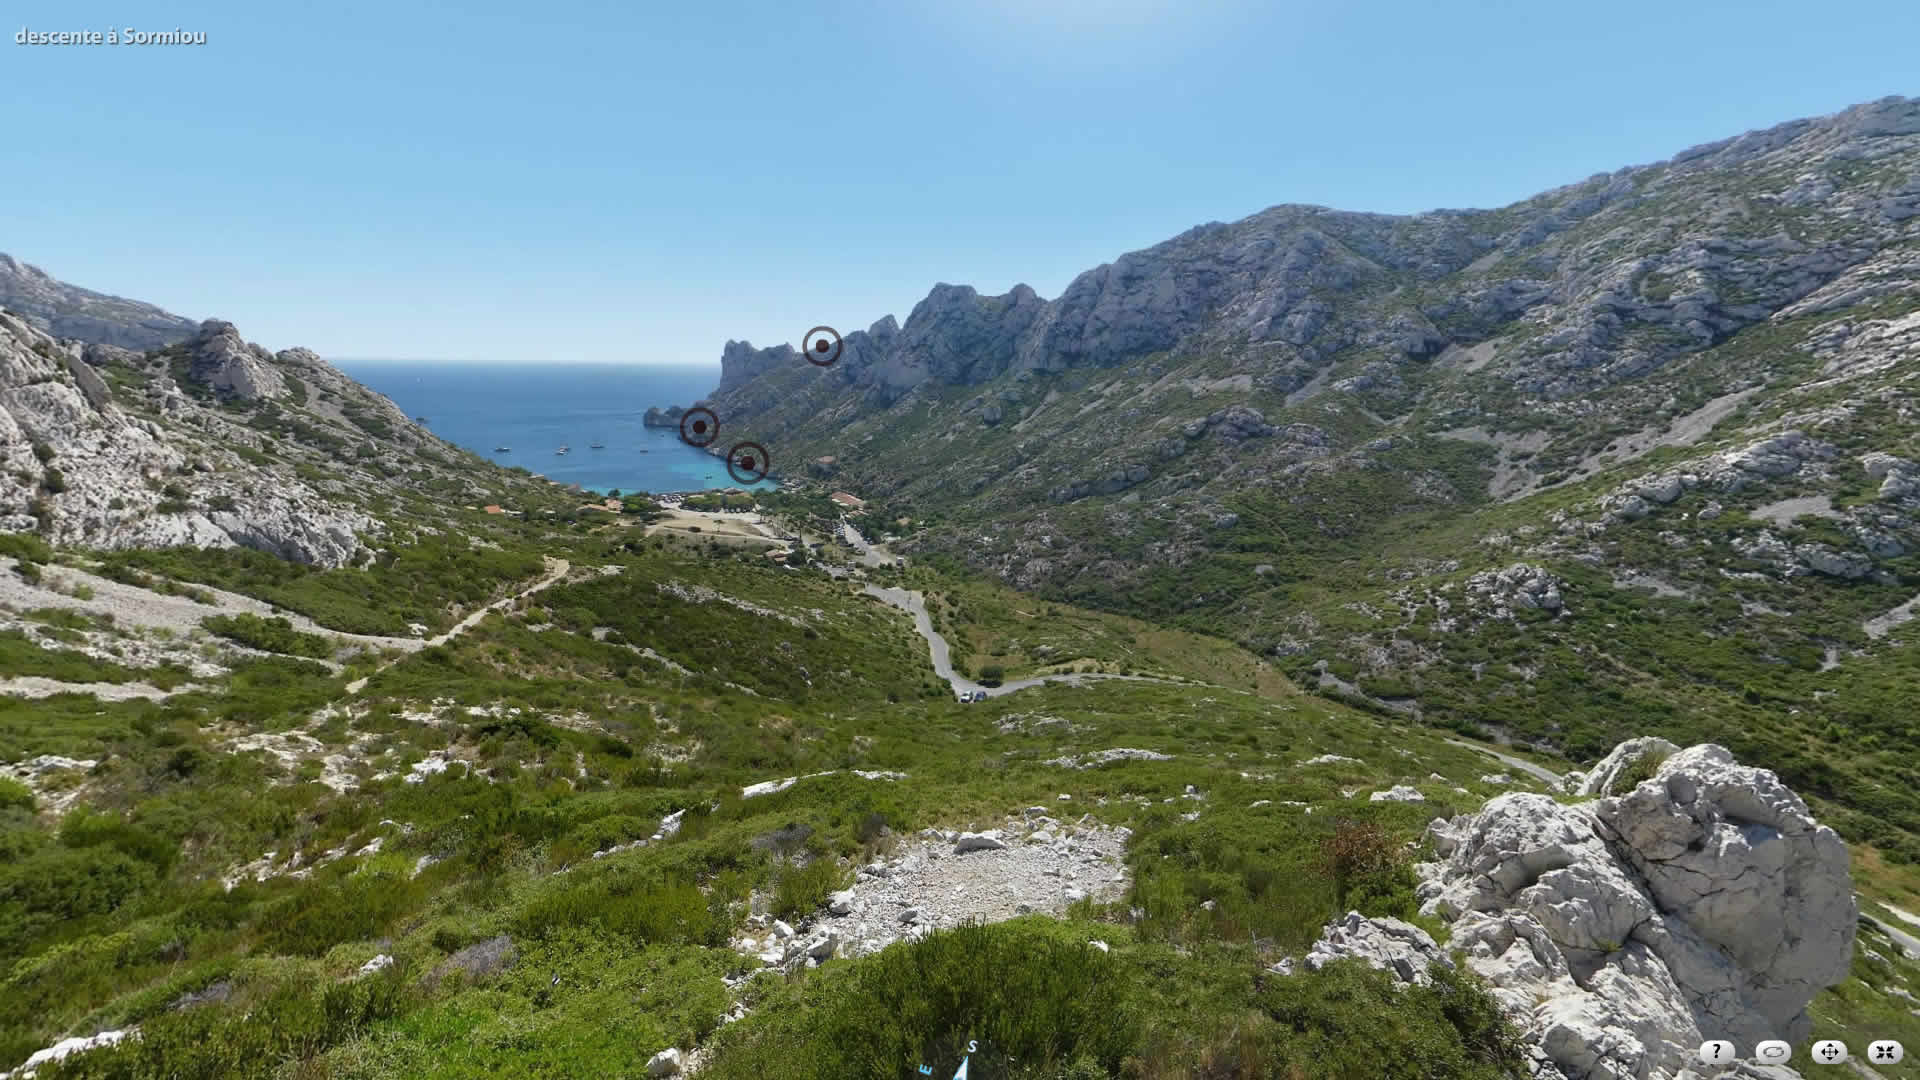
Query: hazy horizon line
point(503, 363)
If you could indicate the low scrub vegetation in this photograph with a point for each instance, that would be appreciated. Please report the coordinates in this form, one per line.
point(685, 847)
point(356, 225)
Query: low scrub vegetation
point(274, 634)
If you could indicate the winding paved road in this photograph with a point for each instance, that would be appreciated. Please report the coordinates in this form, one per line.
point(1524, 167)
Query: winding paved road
point(1904, 938)
point(1540, 773)
point(870, 554)
point(915, 604)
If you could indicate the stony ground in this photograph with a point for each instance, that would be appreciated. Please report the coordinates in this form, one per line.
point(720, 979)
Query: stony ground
point(1035, 862)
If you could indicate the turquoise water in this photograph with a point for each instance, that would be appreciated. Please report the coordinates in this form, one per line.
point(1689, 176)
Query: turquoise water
point(536, 408)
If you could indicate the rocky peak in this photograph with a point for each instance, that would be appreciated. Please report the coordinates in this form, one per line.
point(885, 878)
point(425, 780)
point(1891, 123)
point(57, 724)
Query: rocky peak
point(104, 450)
point(957, 336)
point(740, 362)
point(220, 359)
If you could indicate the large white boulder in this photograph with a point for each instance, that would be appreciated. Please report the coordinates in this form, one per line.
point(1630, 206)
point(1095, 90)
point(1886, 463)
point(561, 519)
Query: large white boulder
point(986, 841)
point(1704, 902)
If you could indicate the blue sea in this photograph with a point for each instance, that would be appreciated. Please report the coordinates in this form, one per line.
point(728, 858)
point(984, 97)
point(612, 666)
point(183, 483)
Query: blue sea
point(537, 408)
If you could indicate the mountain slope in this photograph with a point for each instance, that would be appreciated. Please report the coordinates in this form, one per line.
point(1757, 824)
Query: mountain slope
point(1635, 454)
point(68, 311)
point(212, 442)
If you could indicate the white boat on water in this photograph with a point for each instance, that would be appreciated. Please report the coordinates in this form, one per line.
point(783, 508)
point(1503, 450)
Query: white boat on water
point(562, 450)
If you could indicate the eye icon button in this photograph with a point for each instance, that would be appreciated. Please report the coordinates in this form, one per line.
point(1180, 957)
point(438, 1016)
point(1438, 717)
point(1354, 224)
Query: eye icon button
point(1773, 1052)
point(1716, 1052)
point(822, 346)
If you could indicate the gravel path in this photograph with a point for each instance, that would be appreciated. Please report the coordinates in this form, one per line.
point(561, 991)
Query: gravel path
point(33, 686)
point(1902, 914)
point(874, 555)
point(556, 569)
point(130, 605)
point(1034, 863)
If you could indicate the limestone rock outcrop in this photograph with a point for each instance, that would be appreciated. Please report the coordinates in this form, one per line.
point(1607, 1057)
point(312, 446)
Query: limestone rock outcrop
point(197, 445)
point(1704, 902)
point(220, 359)
point(1388, 944)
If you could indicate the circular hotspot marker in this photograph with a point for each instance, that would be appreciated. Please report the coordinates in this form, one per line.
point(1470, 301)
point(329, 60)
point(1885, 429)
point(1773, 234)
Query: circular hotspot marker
point(821, 351)
point(747, 462)
point(699, 426)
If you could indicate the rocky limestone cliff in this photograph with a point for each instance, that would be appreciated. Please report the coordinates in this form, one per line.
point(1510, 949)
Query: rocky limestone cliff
point(67, 311)
point(82, 470)
point(1619, 933)
point(1551, 340)
point(208, 442)
point(1611, 276)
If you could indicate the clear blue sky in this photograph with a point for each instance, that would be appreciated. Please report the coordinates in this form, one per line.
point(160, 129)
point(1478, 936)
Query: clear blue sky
point(638, 181)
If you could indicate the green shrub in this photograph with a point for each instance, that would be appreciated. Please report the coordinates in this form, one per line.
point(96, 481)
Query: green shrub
point(26, 547)
point(321, 915)
point(1352, 1021)
point(601, 834)
point(1386, 686)
point(1029, 993)
point(71, 883)
point(644, 908)
point(801, 890)
point(53, 481)
point(43, 452)
point(15, 795)
point(84, 828)
point(1637, 771)
point(20, 654)
point(276, 1026)
point(415, 583)
point(274, 634)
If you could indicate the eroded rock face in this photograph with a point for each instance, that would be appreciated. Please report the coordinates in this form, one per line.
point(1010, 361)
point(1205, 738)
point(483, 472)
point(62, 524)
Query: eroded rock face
point(1704, 903)
point(221, 359)
point(83, 469)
